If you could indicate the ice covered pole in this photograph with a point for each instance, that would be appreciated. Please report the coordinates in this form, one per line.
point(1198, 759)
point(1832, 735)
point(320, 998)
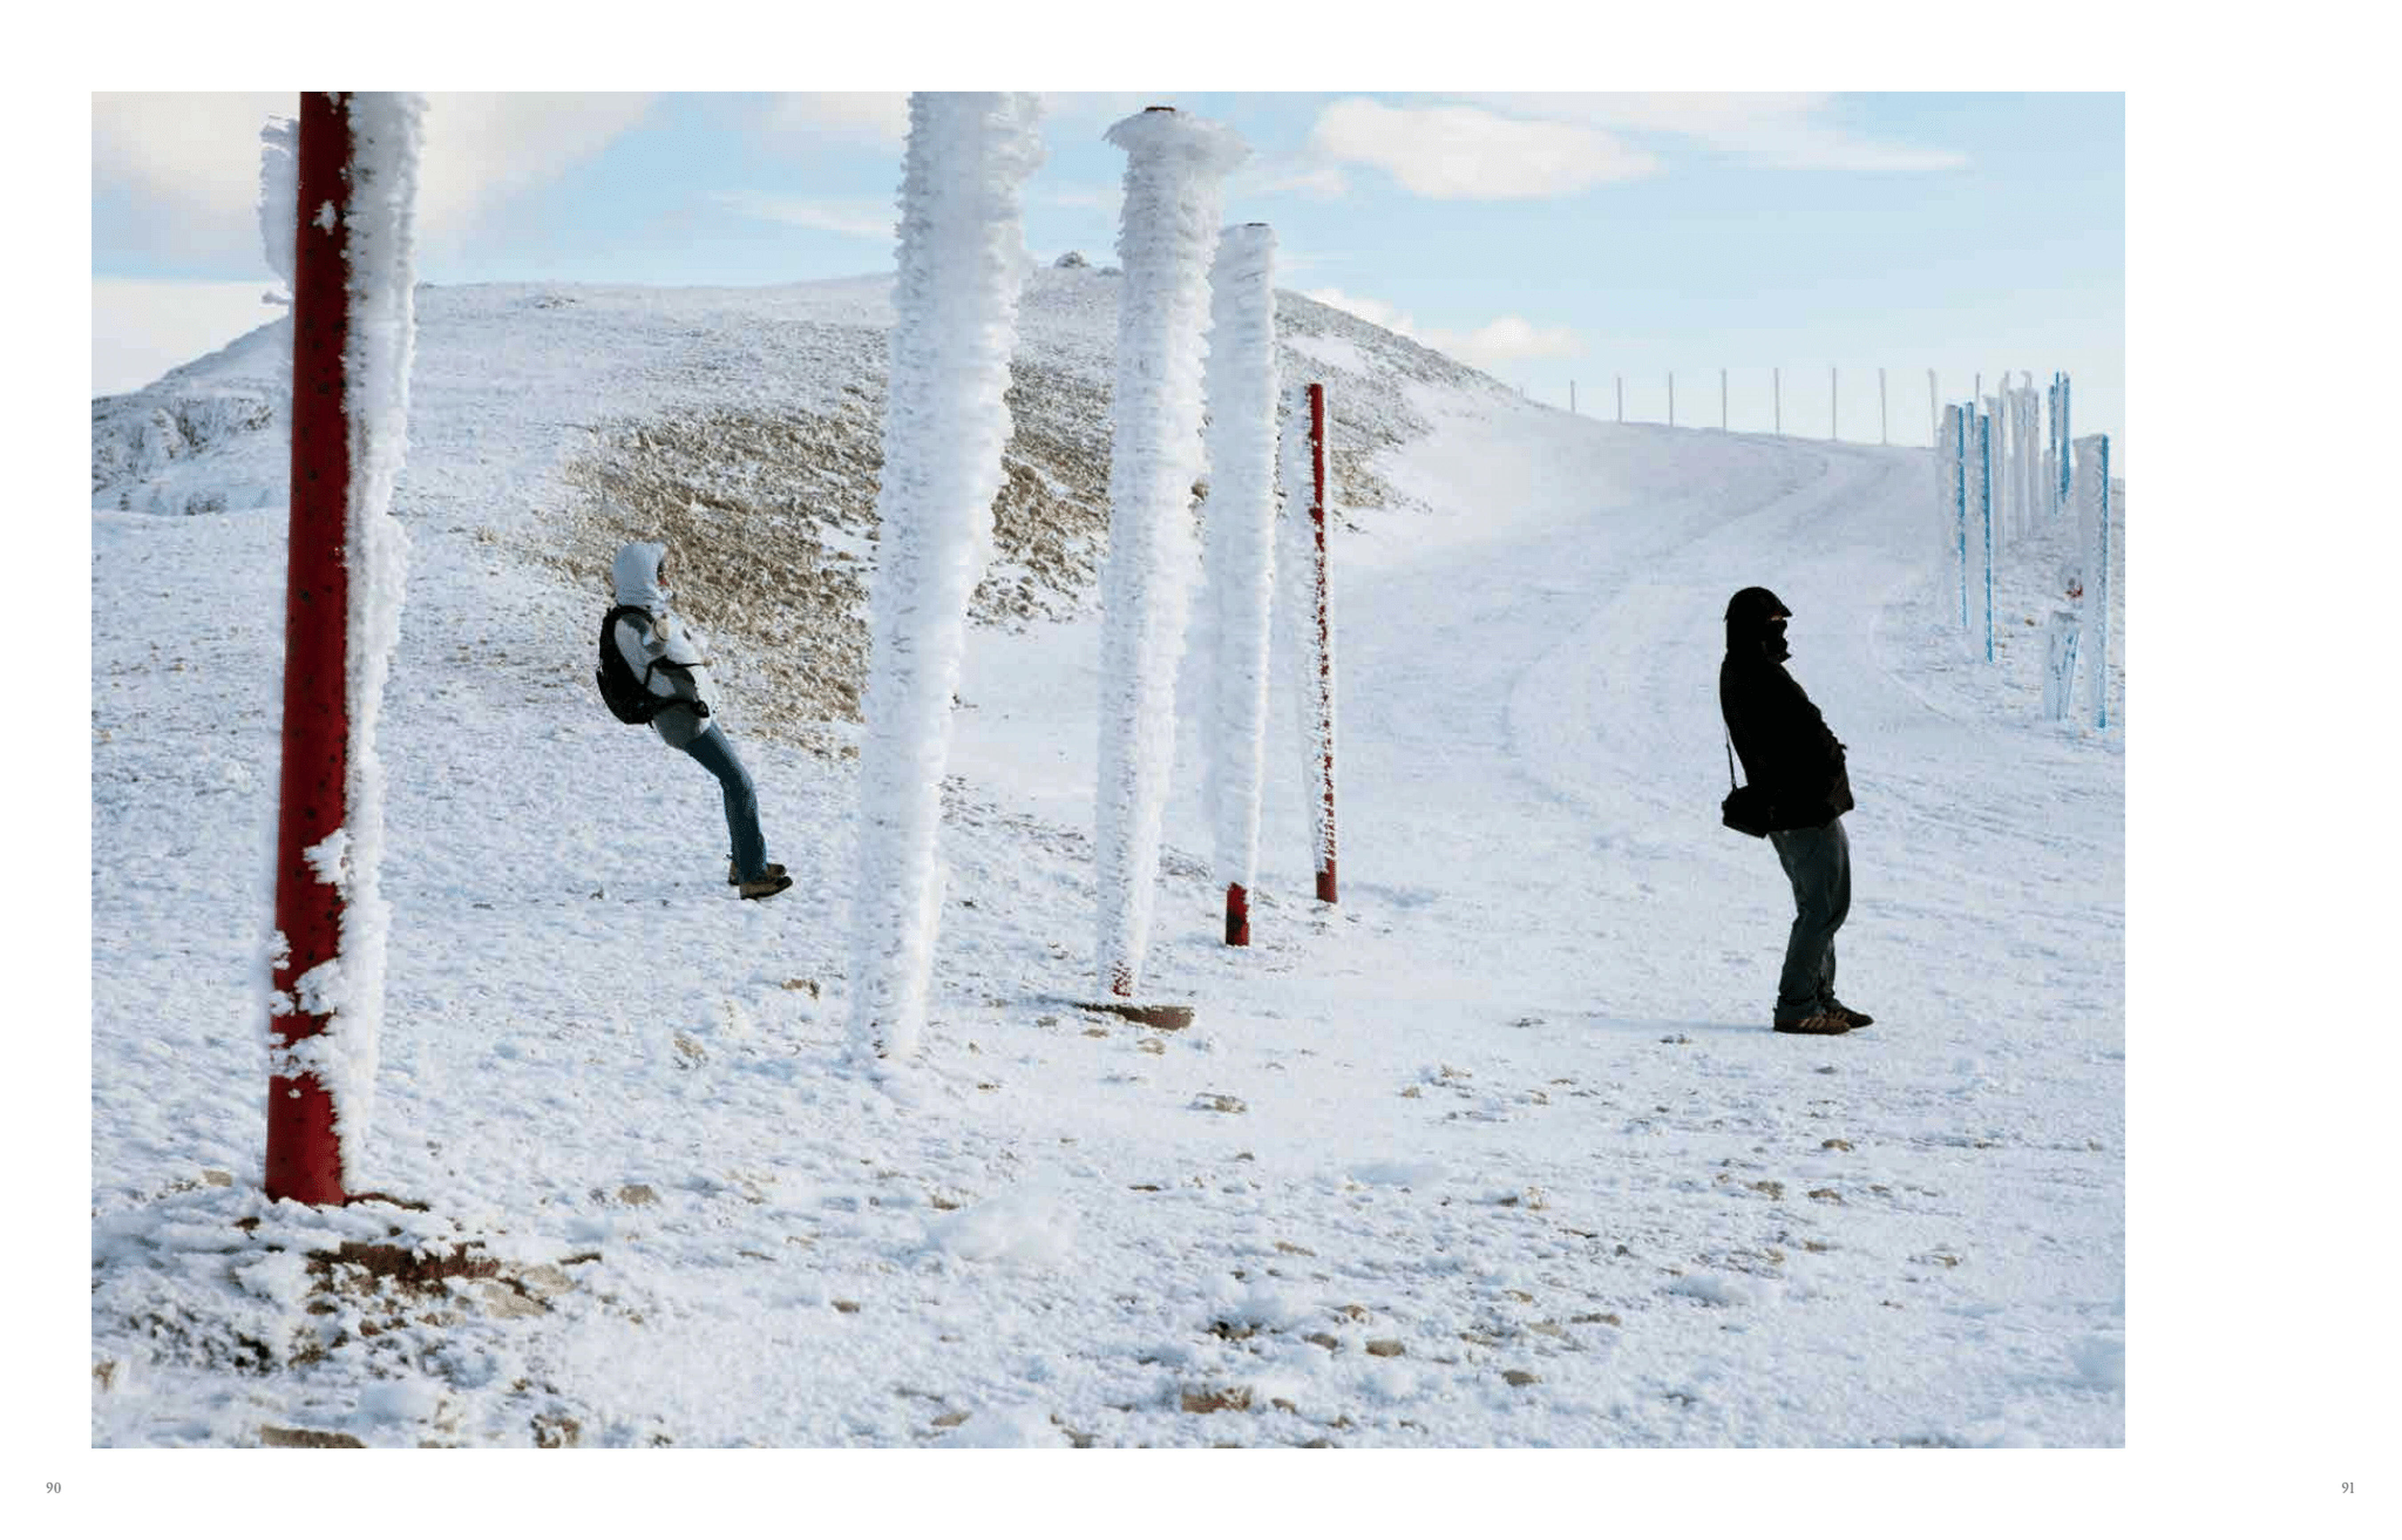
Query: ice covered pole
point(1309, 609)
point(1996, 473)
point(2092, 502)
point(2068, 446)
point(1239, 521)
point(1956, 427)
point(1985, 513)
point(353, 332)
point(1176, 167)
point(959, 270)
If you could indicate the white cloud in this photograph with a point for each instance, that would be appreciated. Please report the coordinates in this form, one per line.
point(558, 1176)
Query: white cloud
point(1542, 145)
point(863, 217)
point(1374, 312)
point(1793, 129)
point(1504, 339)
point(140, 328)
point(484, 148)
point(1282, 174)
point(1468, 152)
point(875, 118)
point(193, 157)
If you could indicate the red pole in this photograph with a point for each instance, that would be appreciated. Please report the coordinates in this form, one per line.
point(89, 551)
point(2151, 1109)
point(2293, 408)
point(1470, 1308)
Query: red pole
point(1325, 645)
point(1239, 915)
point(304, 1161)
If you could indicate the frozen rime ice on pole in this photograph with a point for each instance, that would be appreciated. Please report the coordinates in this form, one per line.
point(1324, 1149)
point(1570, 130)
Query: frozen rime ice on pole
point(1176, 167)
point(2089, 495)
point(380, 240)
point(1239, 523)
point(1309, 662)
point(279, 193)
point(954, 323)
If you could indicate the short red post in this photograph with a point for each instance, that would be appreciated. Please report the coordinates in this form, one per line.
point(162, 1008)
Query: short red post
point(304, 1160)
point(1324, 704)
point(1239, 915)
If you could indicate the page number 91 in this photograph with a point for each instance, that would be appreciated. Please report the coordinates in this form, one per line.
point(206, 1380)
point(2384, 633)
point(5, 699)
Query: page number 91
point(2347, 1489)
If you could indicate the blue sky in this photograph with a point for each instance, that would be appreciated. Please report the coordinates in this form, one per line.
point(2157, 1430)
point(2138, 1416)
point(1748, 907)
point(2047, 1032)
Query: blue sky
point(1548, 238)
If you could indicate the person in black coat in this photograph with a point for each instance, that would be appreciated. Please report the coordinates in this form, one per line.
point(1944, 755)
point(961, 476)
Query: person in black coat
point(1797, 764)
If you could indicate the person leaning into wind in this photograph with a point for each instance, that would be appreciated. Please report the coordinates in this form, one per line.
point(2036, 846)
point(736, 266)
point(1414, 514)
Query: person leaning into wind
point(1796, 768)
point(653, 669)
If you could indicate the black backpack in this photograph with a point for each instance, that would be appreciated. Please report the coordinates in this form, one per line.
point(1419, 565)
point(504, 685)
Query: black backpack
point(627, 693)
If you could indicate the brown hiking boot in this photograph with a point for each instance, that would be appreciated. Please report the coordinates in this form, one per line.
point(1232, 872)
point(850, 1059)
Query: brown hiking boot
point(1820, 1025)
point(766, 887)
point(1856, 1018)
point(733, 878)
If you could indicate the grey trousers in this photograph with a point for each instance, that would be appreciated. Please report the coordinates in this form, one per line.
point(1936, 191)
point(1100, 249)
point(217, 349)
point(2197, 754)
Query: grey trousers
point(1819, 862)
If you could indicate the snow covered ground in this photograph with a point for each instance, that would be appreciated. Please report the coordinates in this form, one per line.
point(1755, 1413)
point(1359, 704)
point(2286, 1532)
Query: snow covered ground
point(1497, 1151)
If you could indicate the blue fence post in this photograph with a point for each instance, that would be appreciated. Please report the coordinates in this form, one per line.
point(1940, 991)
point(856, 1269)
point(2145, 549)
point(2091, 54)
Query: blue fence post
point(2102, 587)
point(2056, 451)
point(2067, 443)
point(1985, 476)
point(1957, 419)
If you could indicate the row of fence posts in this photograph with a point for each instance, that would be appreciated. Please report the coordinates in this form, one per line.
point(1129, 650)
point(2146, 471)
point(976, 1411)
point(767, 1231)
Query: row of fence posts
point(1776, 402)
point(1997, 480)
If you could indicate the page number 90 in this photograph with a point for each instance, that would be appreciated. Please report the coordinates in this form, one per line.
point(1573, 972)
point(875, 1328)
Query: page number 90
point(55, 1488)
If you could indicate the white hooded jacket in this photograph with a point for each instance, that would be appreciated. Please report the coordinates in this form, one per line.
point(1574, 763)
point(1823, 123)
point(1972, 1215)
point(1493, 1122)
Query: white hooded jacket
point(664, 649)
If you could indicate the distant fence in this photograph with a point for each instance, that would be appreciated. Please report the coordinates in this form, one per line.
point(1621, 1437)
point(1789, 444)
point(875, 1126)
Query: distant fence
point(1999, 479)
point(1754, 401)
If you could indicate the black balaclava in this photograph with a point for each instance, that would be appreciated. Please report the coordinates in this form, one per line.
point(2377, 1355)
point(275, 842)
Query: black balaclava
point(1754, 622)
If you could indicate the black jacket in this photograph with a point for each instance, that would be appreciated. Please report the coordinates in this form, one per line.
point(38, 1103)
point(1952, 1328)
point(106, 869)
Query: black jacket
point(1782, 740)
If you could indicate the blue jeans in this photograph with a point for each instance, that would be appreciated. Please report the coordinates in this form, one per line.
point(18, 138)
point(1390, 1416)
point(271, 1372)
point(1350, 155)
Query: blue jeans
point(741, 801)
point(1819, 862)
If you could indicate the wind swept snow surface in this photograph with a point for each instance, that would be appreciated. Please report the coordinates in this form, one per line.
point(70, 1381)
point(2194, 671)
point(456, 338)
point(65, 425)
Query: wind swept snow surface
point(955, 307)
point(1499, 1153)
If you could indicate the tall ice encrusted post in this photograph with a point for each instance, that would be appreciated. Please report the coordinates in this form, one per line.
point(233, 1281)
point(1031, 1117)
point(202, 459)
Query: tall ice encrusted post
point(1176, 167)
point(945, 424)
point(2091, 495)
point(1309, 608)
point(1239, 522)
point(353, 327)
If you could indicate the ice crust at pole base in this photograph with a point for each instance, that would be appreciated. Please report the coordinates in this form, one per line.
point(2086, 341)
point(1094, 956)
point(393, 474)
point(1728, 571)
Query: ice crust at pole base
point(1176, 166)
point(960, 267)
point(1238, 522)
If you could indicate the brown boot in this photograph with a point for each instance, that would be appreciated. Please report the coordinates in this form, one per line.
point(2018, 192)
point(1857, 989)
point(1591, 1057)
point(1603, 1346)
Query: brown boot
point(766, 887)
point(1856, 1018)
point(733, 878)
point(1820, 1025)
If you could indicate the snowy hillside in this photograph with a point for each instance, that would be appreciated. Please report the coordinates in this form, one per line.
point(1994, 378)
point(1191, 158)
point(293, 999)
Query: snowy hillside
point(1496, 1152)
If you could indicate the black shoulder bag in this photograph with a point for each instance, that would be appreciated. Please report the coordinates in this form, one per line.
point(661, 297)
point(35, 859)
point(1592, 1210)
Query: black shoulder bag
point(1746, 809)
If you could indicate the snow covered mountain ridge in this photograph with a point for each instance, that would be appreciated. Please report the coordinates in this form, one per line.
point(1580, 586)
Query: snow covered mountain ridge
point(744, 428)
